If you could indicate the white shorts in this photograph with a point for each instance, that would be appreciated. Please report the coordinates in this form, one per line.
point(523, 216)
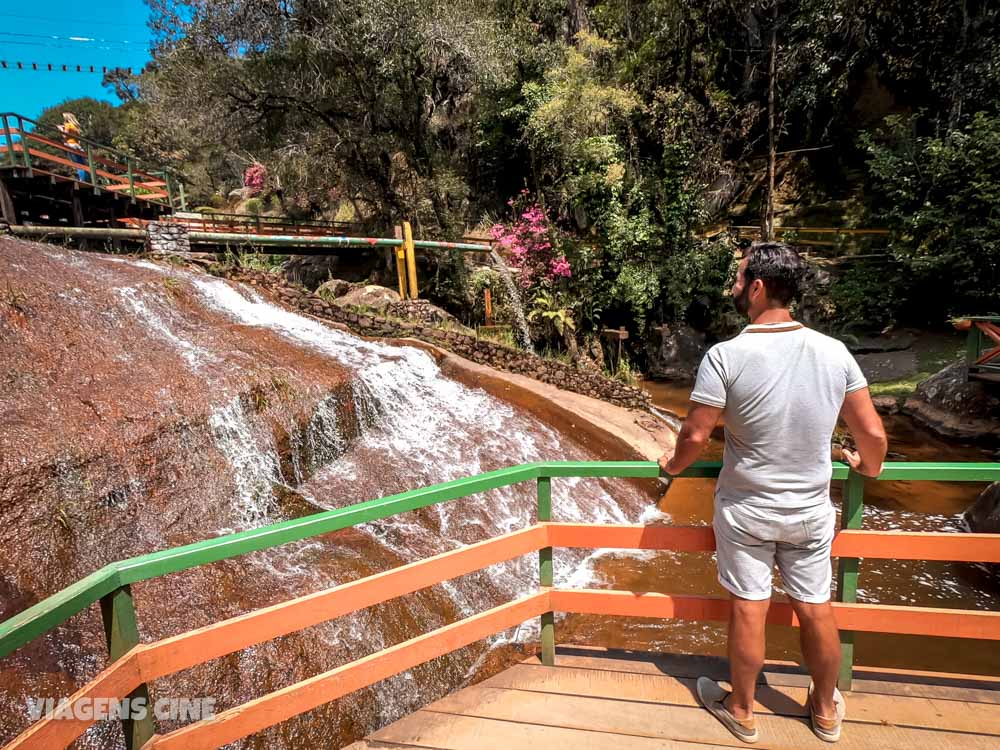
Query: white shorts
point(750, 539)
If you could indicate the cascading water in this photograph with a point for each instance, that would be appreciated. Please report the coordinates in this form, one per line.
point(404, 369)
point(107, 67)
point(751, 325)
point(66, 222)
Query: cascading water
point(407, 426)
point(515, 300)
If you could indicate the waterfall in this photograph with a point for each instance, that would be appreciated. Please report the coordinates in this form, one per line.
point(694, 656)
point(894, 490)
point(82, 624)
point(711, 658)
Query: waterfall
point(515, 301)
point(255, 468)
point(207, 426)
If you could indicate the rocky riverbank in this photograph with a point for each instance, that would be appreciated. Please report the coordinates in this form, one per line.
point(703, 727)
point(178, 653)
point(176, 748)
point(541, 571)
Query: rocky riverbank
point(453, 338)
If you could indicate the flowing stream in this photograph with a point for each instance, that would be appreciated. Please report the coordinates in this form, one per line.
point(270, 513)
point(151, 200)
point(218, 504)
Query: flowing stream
point(515, 300)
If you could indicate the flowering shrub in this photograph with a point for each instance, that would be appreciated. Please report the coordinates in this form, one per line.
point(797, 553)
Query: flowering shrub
point(528, 242)
point(254, 177)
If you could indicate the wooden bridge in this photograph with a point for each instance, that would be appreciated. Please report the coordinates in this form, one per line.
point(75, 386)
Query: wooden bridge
point(44, 181)
point(568, 698)
point(982, 351)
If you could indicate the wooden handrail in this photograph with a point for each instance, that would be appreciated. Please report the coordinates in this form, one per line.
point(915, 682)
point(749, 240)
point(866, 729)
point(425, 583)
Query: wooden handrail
point(151, 661)
point(872, 618)
point(876, 545)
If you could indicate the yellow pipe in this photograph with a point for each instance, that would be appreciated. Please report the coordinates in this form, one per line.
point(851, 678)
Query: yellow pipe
point(411, 259)
point(401, 270)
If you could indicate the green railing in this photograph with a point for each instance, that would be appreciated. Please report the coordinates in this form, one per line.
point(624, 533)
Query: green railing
point(111, 585)
point(103, 167)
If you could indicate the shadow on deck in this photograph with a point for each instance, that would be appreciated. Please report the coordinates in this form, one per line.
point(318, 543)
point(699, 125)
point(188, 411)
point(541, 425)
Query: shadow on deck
point(595, 698)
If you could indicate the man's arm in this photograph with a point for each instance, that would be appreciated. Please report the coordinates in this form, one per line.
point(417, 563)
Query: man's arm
point(869, 435)
point(693, 437)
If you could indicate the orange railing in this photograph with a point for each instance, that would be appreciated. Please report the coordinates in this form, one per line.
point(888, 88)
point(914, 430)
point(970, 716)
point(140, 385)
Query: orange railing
point(150, 661)
point(24, 145)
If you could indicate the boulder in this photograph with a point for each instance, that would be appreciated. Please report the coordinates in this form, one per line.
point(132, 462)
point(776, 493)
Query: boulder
point(675, 352)
point(983, 517)
point(375, 297)
point(334, 288)
point(423, 311)
point(353, 264)
point(953, 406)
point(889, 343)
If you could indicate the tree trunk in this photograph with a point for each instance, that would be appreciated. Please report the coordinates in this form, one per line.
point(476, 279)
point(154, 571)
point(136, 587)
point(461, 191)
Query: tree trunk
point(576, 19)
point(767, 218)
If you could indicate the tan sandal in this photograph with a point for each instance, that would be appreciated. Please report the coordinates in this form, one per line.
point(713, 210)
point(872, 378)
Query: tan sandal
point(711, 695)
point(824, 727)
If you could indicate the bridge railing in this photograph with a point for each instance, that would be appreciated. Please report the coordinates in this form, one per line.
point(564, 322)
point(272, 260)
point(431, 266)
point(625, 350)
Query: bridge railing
point(982, 347)
point(134, 664)
point(29, 145)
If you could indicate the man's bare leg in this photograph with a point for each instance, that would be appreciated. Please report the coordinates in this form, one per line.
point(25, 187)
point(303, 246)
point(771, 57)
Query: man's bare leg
point(746, 653)
point(821, 651)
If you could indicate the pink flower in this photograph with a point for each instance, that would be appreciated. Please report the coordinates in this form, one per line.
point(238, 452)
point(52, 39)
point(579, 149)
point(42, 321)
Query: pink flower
point(560, 267)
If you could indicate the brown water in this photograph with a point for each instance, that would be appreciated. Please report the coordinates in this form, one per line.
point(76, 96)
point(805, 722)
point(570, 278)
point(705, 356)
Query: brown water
point(914, 506)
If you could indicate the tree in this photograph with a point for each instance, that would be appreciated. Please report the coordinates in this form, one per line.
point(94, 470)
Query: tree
point(368, 102)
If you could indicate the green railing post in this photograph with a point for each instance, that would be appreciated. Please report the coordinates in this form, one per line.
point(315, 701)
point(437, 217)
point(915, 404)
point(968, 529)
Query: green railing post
point(25, 156)
point(122, 632)
point(90, 163)
point(545, 576)
point(852, 511)
point(131, 178)
point(973, 344)
point(10, 141)
point(170, 190)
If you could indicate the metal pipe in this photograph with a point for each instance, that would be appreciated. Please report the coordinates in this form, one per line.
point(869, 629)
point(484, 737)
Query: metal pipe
point(239, 238)
point(98, 232)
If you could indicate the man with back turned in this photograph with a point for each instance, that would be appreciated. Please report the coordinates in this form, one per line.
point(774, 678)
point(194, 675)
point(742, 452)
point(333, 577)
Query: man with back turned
point(780, 387)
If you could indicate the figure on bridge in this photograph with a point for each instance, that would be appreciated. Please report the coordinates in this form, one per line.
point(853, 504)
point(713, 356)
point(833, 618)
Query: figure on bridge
point(70, 130)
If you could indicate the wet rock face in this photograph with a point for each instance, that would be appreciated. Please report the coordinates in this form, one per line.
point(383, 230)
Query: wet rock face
point(984, 515)
point(952, 405)
point(675, 352)
point(145, 406)
point(131, 416)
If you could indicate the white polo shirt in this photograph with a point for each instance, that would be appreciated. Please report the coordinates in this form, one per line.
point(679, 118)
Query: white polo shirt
point(781, 386)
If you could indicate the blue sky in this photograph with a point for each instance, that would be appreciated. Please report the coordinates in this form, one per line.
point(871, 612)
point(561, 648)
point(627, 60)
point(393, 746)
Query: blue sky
point(111, 33)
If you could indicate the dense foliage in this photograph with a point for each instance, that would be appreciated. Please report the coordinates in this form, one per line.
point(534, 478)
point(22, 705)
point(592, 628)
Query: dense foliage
point(634, 128)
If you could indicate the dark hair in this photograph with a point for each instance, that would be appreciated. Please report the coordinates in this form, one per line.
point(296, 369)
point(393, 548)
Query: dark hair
point(781, 269)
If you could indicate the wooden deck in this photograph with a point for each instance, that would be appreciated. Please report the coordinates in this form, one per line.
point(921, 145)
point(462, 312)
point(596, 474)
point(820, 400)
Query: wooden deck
point(632, 701)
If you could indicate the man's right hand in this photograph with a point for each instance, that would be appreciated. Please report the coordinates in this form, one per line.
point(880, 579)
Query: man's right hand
point(853, 459)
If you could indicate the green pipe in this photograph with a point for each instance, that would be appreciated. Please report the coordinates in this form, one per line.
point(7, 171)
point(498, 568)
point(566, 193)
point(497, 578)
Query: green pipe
point(265, 240)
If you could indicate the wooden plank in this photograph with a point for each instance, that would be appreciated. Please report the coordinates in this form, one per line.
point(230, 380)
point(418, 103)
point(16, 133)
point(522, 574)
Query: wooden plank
point(922, 713)
point(775, 673)
point(599, 535)
point(117, 681)
point(451, 732)
point(303, 696)
point(892, 545)
point(218, 639)
point(685, 723)
point(878, 618)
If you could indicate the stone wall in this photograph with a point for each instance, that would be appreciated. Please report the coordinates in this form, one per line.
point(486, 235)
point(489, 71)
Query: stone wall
point(483, 351)
point(166, 237)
